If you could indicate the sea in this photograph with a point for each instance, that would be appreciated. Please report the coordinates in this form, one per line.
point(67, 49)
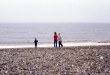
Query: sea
point(25, 33)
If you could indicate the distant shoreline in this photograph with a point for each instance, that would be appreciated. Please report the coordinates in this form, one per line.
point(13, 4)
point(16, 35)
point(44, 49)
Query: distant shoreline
point(51, 45)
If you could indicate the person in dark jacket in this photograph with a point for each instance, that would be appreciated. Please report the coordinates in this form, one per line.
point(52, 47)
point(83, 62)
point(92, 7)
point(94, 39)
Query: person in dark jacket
point(55, 39)
point(35, 42)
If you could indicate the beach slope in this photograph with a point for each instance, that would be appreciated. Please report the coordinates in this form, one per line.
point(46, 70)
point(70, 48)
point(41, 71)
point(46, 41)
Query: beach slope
point(87, 60)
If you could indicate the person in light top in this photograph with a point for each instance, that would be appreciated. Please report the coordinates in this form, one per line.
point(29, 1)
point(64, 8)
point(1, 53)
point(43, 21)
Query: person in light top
point(60, 40)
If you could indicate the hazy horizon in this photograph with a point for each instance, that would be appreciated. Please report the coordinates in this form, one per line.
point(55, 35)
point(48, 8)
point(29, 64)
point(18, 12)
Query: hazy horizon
point(55, 23)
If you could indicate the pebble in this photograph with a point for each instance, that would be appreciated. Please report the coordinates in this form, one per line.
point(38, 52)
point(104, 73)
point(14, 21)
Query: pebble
point(101, 57)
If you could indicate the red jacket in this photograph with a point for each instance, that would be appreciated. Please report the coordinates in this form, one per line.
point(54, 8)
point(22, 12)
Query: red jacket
point(55, 37)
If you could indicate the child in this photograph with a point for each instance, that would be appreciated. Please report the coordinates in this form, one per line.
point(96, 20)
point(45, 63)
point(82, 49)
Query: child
point(35, 42)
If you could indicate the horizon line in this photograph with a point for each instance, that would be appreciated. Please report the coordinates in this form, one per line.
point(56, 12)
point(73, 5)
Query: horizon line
point(51, 22)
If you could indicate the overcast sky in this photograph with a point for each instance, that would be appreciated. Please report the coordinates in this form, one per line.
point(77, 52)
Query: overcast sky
point(34, 11)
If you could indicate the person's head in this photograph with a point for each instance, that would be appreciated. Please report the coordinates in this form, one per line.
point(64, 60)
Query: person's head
point(55, 33)
point(58, 33)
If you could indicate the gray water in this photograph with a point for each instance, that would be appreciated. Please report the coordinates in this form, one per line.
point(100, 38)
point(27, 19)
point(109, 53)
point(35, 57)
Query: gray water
point(70, 32)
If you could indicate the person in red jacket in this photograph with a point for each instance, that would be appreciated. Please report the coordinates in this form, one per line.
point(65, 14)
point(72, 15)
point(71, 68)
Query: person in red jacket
point(55, 39)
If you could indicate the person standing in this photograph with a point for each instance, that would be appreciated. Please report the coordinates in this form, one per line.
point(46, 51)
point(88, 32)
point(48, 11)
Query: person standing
point(60, 40)
point(55, 39)
point(35, 42)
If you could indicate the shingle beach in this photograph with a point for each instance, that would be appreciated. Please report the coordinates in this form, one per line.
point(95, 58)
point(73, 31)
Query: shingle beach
point(87, 60)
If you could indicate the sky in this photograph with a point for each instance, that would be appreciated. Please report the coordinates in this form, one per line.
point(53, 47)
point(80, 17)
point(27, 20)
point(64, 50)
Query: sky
point(35, 11)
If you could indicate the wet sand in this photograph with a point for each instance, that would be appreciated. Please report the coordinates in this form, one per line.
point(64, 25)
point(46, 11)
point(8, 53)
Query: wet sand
point(81, 60)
